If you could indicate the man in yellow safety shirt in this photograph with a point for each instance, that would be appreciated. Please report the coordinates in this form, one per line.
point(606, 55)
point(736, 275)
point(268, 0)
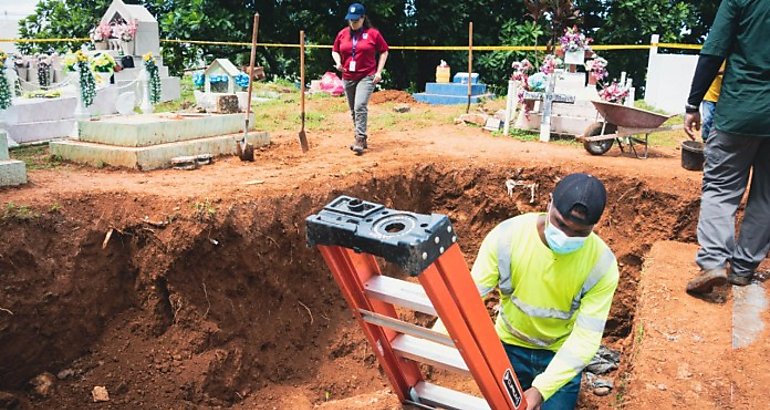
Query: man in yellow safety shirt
point(556, 280)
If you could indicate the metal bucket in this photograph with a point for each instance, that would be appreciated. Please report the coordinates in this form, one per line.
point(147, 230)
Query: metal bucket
point(692, 155)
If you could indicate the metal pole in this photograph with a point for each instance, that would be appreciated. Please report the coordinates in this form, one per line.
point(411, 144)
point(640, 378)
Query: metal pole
point(470, 64)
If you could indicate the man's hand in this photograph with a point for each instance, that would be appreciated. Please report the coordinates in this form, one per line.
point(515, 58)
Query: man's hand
point(534, 398)
point(691, 124)
point(338, 67)
point(377, 78)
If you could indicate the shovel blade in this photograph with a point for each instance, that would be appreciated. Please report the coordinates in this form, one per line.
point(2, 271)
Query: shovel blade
point(303, 141)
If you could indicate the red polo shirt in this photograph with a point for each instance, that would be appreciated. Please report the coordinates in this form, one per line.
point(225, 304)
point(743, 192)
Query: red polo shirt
point(368, 45)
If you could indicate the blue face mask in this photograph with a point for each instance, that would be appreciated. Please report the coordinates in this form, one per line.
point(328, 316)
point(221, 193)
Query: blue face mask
point(558, 241)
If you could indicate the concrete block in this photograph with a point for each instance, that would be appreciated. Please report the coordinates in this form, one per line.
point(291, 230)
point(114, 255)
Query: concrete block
point(150, 129)
point(12, 172)
point(226, 104)
point(455, 89)
point(152, 157)
point(449, 99)
point(4, 146)
point(559, 124)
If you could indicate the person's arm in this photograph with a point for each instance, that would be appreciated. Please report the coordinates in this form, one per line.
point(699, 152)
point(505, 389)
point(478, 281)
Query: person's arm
point(718, 46)
point(705, 73)
point(337, 60)
point(380, 67)
point(336, 54)
point(586, 337)
point(382, 47)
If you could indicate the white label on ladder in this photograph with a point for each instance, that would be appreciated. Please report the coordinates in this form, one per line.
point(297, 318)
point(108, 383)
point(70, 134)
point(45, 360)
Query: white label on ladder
point(511, 387)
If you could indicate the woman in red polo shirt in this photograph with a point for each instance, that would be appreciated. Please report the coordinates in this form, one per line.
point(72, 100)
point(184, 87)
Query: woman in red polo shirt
point(355, 53)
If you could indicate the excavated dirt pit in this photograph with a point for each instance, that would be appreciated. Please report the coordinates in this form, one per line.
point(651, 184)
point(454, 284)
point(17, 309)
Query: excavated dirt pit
point(216, 303)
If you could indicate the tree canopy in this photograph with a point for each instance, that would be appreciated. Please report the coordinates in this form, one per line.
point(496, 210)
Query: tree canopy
point(402, 22)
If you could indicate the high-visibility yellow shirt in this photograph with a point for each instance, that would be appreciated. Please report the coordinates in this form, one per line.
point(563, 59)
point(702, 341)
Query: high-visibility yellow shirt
point(716, 86)
point(558, 302)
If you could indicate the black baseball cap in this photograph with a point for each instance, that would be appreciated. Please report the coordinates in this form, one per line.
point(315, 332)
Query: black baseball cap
point(583, 191)
point(355, 11)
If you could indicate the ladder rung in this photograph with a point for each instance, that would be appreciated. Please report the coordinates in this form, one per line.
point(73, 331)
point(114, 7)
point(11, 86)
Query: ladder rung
point(399, 292)
point(444, 398)
point(405, 327)
point(428, 352)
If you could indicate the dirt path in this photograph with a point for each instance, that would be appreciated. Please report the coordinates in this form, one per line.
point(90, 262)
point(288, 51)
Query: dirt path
point(683, 356)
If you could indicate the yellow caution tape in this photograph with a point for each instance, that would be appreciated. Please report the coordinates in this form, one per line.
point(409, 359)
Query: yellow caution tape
point(607, 47)
point(41, 40)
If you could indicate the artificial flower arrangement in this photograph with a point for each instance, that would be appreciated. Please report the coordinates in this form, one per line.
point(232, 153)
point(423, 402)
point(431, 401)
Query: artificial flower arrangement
point(597, 68)
point(153, 76)
point(44, 70)
point(550, 63)
point(573, 40)
point(614, 93)
point(536, 82)
point(79, 62)
point(5, 87)
point(100, 33)
point(125, 31)
point(43, 94)
point(242, 80)
point(103, 63)
point(199, 79)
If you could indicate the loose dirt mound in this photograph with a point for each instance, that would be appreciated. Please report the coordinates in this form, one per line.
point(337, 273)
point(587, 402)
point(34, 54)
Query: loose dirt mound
point(392, 96)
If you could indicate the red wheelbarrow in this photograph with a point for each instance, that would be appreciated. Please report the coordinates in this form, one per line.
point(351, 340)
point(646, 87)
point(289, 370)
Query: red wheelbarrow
point(622, 124)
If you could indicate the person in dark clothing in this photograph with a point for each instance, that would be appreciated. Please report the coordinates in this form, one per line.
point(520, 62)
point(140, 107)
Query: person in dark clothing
point(739, 147)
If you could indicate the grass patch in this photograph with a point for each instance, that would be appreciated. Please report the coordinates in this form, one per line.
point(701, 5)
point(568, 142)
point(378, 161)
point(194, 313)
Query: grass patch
point(204, 211)
point(186, 98)
point(13, 211)
point(36, 157)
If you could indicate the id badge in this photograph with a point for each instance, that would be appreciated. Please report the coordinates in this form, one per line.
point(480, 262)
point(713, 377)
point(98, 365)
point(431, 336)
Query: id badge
point(352, 65)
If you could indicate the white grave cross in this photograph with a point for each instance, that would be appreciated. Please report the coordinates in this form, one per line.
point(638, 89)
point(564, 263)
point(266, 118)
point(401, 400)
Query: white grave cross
point(548, 98)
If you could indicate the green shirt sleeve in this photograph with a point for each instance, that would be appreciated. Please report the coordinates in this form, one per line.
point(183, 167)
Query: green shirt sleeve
point(586, 337)
point(723, 32)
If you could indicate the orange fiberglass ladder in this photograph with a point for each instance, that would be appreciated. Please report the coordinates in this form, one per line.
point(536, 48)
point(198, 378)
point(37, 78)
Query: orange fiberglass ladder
point(349, 233)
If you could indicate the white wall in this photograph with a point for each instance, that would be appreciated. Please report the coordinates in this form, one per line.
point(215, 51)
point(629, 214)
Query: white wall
point(9, 28)
point(668, 80)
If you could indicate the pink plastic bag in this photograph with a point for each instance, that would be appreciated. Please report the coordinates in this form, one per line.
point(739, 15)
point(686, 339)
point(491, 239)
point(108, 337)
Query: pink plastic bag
point(332, 84)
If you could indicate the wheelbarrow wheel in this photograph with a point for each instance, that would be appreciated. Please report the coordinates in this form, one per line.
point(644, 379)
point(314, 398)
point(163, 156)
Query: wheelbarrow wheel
point(598, 147)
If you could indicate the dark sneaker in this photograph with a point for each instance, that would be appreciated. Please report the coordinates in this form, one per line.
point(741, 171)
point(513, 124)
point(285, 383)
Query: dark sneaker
point(739, 280)
point(359, 146)
point(365, 145)
point(707, 280)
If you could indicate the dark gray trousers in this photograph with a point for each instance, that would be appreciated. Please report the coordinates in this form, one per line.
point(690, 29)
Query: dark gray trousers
point(358, 93)
point(730, 159)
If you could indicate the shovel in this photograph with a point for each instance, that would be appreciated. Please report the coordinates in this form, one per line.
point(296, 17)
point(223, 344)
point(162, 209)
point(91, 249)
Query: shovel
point(302, 136)
point(245, 150)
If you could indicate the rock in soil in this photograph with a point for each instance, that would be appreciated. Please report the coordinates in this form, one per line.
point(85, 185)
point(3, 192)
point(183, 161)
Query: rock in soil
point(99, 394)
point(44, 384)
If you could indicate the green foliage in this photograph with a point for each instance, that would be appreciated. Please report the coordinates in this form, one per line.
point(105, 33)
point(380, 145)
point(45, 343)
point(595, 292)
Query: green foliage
point(204, 211)
point(13, 211)
point(36, 157)
point(402, 22)
point(60, 19)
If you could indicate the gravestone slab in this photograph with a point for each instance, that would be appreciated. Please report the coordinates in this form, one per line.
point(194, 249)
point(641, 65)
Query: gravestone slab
point(12, 172)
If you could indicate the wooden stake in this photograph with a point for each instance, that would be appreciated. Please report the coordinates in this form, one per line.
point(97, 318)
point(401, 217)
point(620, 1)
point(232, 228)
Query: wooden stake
point(254, 31)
